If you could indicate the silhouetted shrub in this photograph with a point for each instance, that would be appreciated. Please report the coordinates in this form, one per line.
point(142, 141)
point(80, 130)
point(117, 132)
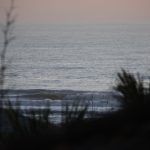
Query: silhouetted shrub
point(133, 95)
point(75, 112)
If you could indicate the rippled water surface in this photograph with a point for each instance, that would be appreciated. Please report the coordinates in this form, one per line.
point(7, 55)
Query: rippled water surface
point(76, 57)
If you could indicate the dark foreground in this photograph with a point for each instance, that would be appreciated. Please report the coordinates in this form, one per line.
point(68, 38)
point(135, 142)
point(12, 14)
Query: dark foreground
point(125, 129)
point(119, 130)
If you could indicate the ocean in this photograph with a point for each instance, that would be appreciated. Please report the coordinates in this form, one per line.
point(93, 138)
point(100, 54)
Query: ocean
point(58, 64)
point(78, 57)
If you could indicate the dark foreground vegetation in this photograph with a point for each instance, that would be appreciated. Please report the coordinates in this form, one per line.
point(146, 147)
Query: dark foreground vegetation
point(127, 128)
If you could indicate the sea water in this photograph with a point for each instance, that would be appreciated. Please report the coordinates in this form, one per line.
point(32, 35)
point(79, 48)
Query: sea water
point(78, 61)
point(79, 57)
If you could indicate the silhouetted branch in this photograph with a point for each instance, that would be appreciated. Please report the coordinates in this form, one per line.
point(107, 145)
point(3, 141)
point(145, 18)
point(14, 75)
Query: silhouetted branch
point(8, 38)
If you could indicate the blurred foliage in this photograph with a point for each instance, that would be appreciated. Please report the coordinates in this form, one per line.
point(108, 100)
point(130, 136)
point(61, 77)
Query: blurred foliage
point(133, 95)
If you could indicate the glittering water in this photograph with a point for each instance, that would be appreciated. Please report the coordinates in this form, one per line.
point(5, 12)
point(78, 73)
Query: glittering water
point(76, 57)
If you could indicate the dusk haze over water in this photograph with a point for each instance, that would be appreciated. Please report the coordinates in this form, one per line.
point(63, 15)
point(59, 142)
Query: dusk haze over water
point(61, 11)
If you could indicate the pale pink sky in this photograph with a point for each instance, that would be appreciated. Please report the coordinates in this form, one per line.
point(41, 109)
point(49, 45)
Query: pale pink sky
point(81, 10)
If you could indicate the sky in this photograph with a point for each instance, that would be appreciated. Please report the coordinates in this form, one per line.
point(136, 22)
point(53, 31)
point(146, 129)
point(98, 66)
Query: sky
point(80, 10)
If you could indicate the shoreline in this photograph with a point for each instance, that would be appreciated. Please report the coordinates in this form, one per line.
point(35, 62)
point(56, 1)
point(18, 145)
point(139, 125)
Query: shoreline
point(59, 94)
